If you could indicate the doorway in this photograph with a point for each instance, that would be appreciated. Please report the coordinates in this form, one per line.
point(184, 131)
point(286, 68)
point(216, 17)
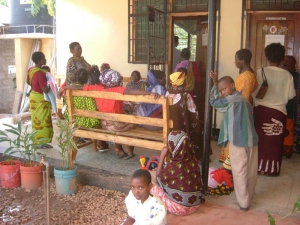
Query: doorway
point(192, 33)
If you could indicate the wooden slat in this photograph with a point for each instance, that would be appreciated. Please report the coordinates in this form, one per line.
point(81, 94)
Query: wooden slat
point(117, 96)
point(119, 117)
point(136, 132)
point(85, 144)
point(121, 139)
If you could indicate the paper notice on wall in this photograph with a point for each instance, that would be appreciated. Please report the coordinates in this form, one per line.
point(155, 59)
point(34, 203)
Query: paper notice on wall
point(274, 38)
point(11, 69)
point(204, 39)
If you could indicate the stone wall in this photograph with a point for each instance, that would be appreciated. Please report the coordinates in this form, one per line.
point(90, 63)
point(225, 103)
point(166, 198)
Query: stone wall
point(7, 80)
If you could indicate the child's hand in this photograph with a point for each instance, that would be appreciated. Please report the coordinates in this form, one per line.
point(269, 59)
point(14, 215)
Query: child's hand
point(214, 77)
point(156, 95)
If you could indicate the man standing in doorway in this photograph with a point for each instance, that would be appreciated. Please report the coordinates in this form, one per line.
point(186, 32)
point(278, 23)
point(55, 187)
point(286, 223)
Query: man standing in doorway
point(176, 53)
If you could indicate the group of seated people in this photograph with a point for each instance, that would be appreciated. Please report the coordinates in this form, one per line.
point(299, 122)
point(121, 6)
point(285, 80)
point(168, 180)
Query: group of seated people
point(183, 112)
point(178, 188)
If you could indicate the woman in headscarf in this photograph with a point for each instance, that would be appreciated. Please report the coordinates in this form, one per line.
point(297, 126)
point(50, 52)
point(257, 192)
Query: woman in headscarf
point(179, 182)
point(183, 112)
point(157, 81)
point(193, 75)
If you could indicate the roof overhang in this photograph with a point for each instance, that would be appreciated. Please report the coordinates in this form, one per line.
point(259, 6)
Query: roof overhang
point(27, 35)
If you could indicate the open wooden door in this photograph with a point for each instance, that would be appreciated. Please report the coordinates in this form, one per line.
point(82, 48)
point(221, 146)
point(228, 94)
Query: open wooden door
point(278, 27)
point(196, 41)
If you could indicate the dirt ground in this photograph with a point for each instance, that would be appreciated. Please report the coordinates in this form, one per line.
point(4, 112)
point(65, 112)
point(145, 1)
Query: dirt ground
point(91, 205)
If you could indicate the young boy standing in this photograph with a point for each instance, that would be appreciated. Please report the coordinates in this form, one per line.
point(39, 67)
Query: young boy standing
point(142, 207)
point(238, 128)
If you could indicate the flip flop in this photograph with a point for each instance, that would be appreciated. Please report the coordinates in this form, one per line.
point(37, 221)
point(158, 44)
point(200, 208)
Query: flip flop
point(103, 149)
point(122, 156)
point(130, 156)
point(44, 146)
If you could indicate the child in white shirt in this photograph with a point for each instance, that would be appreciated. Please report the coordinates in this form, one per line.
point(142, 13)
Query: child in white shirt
point(142, 207)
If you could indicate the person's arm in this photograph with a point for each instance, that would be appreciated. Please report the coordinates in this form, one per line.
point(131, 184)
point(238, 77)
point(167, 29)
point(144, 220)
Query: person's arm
point(42, 81)
point(292, 92)
point(71, 70)
point(215, 100)
point(163, 155)
point(140, 92)
point(129, 221)
point(74, 87)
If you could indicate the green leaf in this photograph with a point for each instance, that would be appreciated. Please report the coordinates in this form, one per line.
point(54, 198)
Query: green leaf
point(12, 127)
point(297, 204)
point(3, 133)
point(271, 218)
point(16, 132)
point(8, 150)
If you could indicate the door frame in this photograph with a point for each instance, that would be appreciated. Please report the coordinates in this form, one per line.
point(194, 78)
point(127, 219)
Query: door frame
point(172, 17)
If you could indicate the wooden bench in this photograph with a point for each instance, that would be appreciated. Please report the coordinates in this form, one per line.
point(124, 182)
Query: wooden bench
point(59, 102)
point(136, 137)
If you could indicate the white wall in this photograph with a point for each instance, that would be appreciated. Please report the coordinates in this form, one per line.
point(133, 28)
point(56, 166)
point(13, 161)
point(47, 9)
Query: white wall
point(101, 27)
point(230, 33)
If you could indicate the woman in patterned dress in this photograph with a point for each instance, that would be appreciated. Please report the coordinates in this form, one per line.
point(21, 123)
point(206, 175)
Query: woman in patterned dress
point(77, 62)
point(40, 109)
point(270, 112)
point(179, 181)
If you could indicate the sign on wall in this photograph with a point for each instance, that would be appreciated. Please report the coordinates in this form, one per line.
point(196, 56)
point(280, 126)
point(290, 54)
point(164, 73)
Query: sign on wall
point(274, 38)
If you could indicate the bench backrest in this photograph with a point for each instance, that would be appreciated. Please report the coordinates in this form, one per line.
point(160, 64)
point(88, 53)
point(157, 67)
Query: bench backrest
point(165, 122)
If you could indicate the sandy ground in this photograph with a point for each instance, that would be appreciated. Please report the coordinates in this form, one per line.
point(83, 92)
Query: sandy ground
point(91, 205)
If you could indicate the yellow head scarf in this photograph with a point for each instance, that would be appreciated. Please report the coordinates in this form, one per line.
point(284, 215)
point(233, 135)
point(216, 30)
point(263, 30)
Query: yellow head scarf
point(177, 78)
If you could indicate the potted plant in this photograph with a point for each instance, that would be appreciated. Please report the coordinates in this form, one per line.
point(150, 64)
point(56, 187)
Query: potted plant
point(65, 175)
point(22, 141)
point(10, 173)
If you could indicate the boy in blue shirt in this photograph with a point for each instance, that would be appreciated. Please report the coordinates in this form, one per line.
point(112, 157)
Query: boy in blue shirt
point(238, 128)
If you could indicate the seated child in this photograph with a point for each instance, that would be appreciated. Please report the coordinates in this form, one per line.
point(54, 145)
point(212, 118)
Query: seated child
point(142, 207)
point(157, 81)
point(222, 175)
point(135, 84)
point(238, 128)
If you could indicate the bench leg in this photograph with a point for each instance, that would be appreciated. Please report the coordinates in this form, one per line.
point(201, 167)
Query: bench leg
point(59, 114)
point(95, 145)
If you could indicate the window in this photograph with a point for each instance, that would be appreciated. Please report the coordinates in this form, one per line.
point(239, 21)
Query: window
point(138, 26)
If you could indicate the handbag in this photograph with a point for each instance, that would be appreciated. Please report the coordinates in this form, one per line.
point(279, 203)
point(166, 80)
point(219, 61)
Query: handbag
point(264, 86)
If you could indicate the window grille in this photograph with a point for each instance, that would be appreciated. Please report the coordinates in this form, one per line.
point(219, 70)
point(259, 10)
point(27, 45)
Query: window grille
point(138, 45)
point(273, 5)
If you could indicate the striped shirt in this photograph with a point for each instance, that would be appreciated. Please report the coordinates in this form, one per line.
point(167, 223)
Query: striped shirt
point(237, 125)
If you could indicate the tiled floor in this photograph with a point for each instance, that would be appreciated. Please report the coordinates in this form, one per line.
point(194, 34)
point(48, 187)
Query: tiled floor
point(276, 194)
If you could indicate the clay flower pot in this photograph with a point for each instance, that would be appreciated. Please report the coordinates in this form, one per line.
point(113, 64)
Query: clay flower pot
point(31, 176)
point(10, 174)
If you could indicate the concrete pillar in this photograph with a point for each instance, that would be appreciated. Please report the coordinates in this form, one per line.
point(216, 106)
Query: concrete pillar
point(23, 48)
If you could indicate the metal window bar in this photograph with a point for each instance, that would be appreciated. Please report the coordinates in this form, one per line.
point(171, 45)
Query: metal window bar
point(273, 5)
point(28, 29)
point(156, 39)
point(138, 22)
